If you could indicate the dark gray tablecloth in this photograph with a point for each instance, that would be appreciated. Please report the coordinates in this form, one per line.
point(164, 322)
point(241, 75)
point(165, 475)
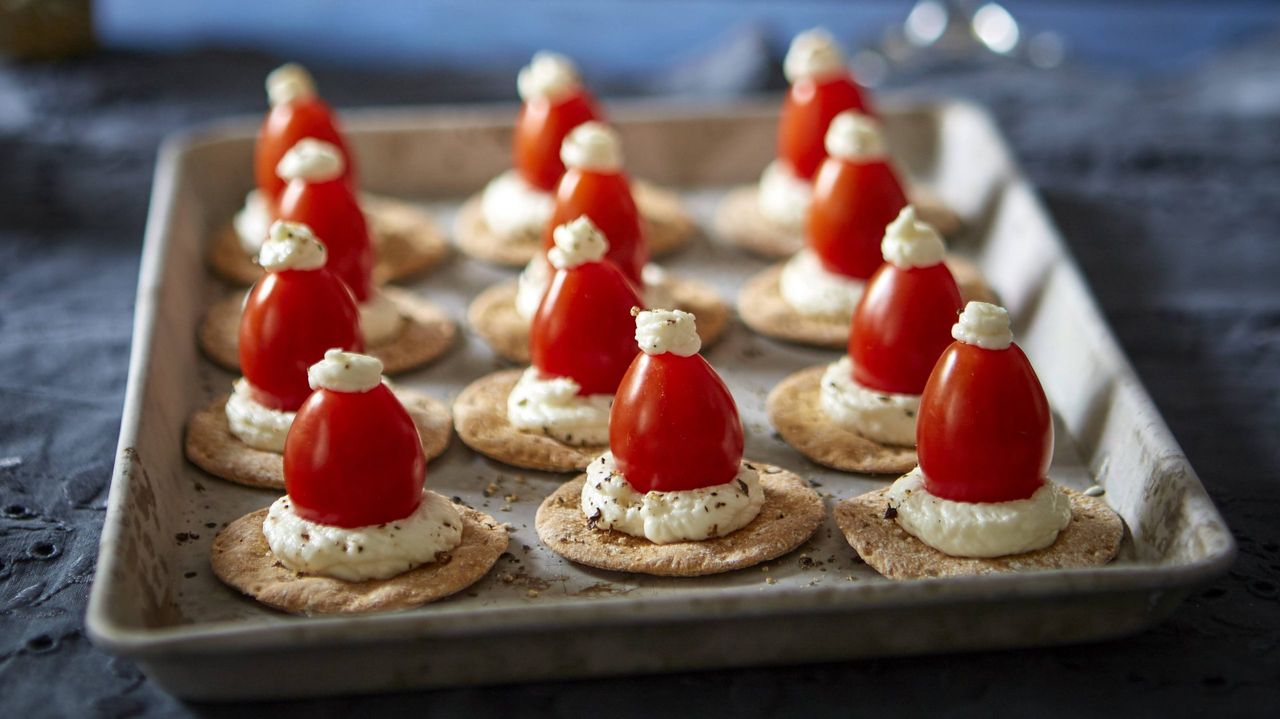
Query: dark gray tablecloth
point(1166, 189)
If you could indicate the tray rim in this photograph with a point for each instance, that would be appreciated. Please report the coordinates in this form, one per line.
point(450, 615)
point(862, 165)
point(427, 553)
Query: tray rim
point(136, 642)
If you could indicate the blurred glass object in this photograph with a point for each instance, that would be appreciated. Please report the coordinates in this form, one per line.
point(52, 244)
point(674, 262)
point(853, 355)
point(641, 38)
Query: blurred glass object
point(45, 29)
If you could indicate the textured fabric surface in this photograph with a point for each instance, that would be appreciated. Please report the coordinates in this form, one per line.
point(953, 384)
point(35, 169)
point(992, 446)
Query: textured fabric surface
point(1165, 190)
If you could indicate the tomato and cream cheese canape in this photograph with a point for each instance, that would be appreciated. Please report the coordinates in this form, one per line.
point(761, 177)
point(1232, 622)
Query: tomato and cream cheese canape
point(356, 530)
point(673, 496)
point(555, 415)
point(858, 414)
point(980, 500)
point(596, 186)
point(407, 240)
point(507, 221)
point(297, 311)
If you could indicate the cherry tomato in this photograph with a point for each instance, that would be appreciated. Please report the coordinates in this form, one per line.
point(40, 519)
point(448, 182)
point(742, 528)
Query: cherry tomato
point(354, 459)
point(583, 328)
point(331, 211)
point(806, 111)
point(984, 433)
point(606, 199)
point(674, 425)
point(284, 125)
point(853, 203)
point(540, 130)
point(290, 319)
point(901, 325)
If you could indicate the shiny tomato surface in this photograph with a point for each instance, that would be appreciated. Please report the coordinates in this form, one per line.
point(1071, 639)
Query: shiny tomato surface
point(583, 329)
point(984, 433)
point(807, 110)
point(540, 130)
point(290, 319)
point(331, 211)
point(674, 425)
point(853, 203)
point(606, 199)
point(284, 125)
point(901, 325)
point(354, 459)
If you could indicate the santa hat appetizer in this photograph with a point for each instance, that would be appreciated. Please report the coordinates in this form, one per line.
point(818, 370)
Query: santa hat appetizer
point(555, 415)
point(297, 113)
point(859, 414)
point(673, 495)
point(980, 500)
point(356, 531)
point(292, 315)
point(506, 222)
point(594, 186)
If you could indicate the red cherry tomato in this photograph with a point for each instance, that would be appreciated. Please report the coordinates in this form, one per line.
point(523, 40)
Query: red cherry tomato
point(806, 111)
point(354, 459)
point(984, 433)
point(331, 211)
point(541, 129)
point(674, 425)
point(284, 125)
point(290, 319)
point(853, 203)
point(606, 199)
point(901, 325)
point(583, 328)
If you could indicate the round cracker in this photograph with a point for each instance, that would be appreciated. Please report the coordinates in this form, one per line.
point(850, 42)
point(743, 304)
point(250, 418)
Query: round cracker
point(668, 226)
point(493, 315)
point(796, 412)
point(480, 417)
point(427, 334)
point(407, 242)
point(242, 559)
point(792, 512)
point(762, 308)
point(739, 220)
point(211, 446)
point(1092, 538)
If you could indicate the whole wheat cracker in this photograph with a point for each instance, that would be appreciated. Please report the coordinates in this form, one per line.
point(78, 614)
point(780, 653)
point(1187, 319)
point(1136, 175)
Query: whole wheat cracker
point(480, 418)
point(792, 512)
point(211, 446)
point(668, 227)
point(426, 335)
point(796, 412)
point(405, 238)
point(1092, 538)
point(762, 308)
point(492, 314)
point(242, 559)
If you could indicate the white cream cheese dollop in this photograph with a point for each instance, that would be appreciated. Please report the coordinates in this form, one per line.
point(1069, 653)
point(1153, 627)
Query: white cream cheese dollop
point(311, 160)
point(984, 325)
point(813, 55)
point(548, 76)
point(784, 198)
point(666, 517)
point(359, 553)
point(554, 407)
point(910, 242)
point(256, 425)
point(380, 320)
point(812, 289)
point(592, 146)
point(289, 82)
point(252, 222)
point(979, 529)
point(534, 279)
point(291, 246)
point(885, 417)
point(576, 243)
point(855, 137)
point(513, 209)
point(341, 371)
point(662, 331)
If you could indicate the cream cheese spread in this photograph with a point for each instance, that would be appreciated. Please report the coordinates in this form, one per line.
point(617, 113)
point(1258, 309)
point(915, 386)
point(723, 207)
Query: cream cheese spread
point(984, 325)
point(885, 417)
point(784, 198)
point(554, 407)
point(289, 82)
point(592, 146)
point(813, 55)
point(291, 246)
point(812, 289)
point(662, 331)
point(341, 371)
point(910, 242)
point(855, 137)
point(256, 425)
point(549, 75)
point(380, 320)
point(311, 160)
point(513, 209)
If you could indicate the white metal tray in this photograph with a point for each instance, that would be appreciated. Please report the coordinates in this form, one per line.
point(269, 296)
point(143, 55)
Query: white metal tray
point(536, 616)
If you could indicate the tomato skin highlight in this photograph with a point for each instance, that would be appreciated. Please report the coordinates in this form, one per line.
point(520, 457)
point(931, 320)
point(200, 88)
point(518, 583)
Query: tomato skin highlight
point(354, 459)
point(540, 130)
point(332, 212)
point(985, 432)
point(606, 199)
point(807, 110)
point(281, 129)
point(901, 326)
point(853, 203)
point(290, 319)
point(674, 425)
point(583, 327)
